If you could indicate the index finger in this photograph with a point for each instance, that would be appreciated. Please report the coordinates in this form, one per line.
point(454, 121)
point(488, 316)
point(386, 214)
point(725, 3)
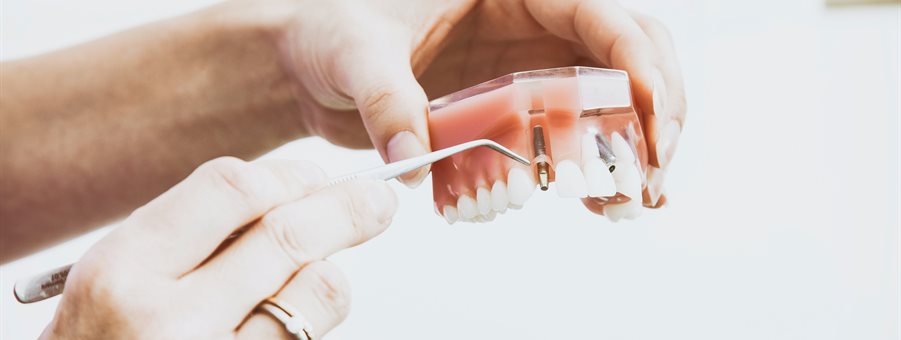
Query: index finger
point(179, 229)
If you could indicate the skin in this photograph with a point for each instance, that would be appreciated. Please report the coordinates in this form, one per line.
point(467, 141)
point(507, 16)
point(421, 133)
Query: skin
point(92, 132)
point(174, 245)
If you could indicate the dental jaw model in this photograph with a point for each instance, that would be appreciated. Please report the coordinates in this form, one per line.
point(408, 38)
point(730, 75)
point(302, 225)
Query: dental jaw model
point(578, 125)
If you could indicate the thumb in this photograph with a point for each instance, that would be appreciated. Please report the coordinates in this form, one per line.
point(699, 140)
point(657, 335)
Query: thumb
point(392, 104)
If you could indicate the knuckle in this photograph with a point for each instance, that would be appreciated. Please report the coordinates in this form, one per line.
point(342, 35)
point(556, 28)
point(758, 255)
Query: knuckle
point(357, 208)
point(278, 227)
point(331, 288)
point(240, 179)
point(377, 103)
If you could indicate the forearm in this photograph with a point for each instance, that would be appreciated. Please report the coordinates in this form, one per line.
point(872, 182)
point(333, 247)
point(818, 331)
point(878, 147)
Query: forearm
point(91, 132)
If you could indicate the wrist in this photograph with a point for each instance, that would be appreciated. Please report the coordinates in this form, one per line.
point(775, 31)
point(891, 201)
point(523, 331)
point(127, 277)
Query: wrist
point(249, 37)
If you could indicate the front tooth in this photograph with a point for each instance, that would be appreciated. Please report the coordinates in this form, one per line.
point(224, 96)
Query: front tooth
point(569, 179)
point(599, 181)
point(499, 199)
point(628, 180)
point(622, 150)
point(450, 214)
point(483, 200)
point(467, 208)
point(520, 186)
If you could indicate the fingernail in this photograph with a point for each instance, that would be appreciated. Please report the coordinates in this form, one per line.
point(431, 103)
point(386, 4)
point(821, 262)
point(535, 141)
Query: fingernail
point(666, 143)
point(382, 201)
point(654, 190)
point(404, 145)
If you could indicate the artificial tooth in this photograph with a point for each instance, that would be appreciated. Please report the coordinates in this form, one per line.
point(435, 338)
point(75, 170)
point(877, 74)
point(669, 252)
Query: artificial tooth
point(615, 212)
point(621, 148)
point(628, 180)
point(520, 186)
point(499, 199)
point(599, 181)
point(490, 217)
point(483, 200)
point(467, 208)
point(569, 180)
point(629, 210)
point(450, 214)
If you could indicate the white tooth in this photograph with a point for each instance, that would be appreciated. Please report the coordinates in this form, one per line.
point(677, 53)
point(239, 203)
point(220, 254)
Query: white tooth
point(450, 214)
point(589, 147)
point(520, 186)
point(499, 199)
point(490, 217)
point(598, 179)
point(483, 199)
point(569, 180)
point(621, 149)
point(634, 209)
point(629, 210)
point(628, 180)
point(467, 208)
point(514, 206)
point(615, 212)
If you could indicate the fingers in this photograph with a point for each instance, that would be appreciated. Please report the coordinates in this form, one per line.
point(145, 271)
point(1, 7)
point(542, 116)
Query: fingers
point(663, 126)
point(393, 105)
point(288, 238)
point(179, 229)
point(319, 292)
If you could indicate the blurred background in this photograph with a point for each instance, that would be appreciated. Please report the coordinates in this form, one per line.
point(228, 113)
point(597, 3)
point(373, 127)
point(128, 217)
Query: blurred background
point(784, 214)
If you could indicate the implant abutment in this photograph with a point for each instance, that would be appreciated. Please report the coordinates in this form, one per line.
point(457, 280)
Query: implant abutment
point(540, 150)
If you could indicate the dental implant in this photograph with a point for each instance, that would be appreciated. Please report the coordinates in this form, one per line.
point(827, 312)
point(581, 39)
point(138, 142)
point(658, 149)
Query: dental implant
point(605, 151)
point(540, 150)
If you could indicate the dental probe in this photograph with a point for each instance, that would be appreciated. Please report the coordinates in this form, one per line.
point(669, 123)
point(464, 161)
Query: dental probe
point(51, 283)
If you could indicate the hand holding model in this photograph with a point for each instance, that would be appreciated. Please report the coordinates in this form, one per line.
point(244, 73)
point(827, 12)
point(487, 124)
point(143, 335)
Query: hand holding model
point(132, 114)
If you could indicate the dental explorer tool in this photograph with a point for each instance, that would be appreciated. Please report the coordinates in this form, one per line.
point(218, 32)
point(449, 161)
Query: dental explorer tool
point(51, 283)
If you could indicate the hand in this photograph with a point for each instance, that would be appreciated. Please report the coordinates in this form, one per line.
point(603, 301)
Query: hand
point(385, 56)
point(170, 271)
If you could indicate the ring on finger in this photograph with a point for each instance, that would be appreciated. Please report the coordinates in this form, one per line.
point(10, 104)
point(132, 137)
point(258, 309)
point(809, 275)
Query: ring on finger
point(295, 323)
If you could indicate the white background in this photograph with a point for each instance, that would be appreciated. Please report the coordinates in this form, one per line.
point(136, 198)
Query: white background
point(784, 222)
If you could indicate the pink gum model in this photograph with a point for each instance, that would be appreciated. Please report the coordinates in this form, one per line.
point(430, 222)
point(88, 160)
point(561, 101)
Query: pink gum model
point(578, 125)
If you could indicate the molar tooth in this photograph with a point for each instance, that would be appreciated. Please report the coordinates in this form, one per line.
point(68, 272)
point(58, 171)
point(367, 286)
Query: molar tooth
point(483, 200)
point(569, 180)
point(599, 181)
point(622, 150)
point(467, 208)
point(520, 186)
point(499, 199)
point(450, 214)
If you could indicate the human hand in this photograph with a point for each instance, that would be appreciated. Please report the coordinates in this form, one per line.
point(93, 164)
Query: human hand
point(384, 57)
point(170, 270)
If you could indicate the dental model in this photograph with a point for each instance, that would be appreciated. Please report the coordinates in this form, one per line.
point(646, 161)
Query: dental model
point(577, 124)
